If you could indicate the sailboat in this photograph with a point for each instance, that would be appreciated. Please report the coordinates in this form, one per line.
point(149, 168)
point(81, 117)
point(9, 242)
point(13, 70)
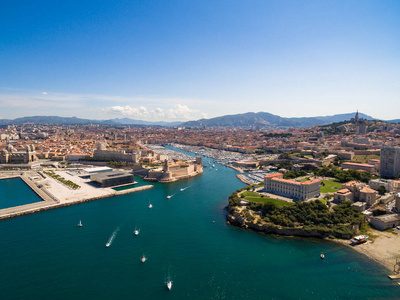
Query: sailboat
point(80, 223)
point(169, 284)
point(143, 259)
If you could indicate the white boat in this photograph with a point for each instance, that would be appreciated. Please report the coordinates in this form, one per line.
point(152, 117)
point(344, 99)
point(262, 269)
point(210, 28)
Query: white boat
point(108, 244)
point(169, 196)
point(143, 259)
point(182, 190)
point(150, 205)
point(169, 284)
point(322, 255)
point(136, 232)
point(359, 239)
point(80, 224)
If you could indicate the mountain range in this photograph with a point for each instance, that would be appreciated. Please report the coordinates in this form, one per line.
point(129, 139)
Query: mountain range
point(264, 119)
point(246, 120)
point(54, 120)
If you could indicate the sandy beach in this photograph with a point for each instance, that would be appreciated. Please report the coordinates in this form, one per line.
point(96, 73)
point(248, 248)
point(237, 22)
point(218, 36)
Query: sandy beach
point(383, 247)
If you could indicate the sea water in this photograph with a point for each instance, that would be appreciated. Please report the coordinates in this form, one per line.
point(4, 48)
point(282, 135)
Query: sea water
point(185, 238)
point(15, 192)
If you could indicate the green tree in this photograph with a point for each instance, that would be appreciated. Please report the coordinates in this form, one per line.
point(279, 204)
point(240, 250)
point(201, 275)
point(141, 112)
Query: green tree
point(382, 190)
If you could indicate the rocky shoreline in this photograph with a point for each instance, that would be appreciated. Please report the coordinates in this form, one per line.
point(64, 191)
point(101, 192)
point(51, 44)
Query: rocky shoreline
point(274, 229)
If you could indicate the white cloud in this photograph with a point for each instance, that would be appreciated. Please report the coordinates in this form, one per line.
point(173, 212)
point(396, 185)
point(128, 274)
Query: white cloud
point(178, 112)
point(18, 103)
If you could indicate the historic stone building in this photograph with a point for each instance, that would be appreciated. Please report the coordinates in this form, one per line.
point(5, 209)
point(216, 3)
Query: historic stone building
point(175, 171)
point(356, 191)
point(274, 183)
point(117, 155)
point(11, 155)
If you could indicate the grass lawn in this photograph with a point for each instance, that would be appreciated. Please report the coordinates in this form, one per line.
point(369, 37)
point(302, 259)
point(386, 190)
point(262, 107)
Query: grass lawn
point(364, 158)
point(253, 197)
point(329, 186)
point(304, 179)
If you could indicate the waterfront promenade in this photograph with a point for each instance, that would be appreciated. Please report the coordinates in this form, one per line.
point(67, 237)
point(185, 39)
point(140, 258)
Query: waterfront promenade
point(54, 194)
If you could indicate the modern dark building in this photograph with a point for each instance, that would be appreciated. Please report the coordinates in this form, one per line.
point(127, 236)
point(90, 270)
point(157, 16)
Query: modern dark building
point(113, 178)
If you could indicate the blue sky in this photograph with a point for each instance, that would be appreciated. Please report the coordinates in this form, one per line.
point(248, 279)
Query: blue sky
point(181, 60)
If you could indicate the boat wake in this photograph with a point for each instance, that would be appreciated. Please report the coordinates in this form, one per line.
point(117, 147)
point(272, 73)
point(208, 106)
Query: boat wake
point(182, 189)
point(112, 237)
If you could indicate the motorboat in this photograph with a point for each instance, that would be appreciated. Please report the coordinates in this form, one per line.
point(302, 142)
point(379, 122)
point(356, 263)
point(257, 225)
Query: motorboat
point(143, 259)
point(136, 232)
point(108, 244)
point(322, 255)
point(359, 239)
point(150, 205)
point(182, 190)
point(169, 284)
point(80, 223)
point(169, 196)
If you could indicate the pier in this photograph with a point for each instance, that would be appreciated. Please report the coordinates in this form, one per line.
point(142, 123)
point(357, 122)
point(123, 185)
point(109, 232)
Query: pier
point(55, 195)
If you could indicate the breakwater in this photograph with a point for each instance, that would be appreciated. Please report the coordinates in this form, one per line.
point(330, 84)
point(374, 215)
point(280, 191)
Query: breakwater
point(49, 203)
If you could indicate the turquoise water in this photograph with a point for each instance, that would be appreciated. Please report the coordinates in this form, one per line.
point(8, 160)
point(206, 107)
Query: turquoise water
point(46, 256)
point(15, 192)
point(126, 187)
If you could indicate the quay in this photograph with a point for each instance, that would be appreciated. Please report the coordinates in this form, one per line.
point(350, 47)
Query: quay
point(55, 195)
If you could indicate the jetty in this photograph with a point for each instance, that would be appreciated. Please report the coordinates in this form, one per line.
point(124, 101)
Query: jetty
point(54, 194)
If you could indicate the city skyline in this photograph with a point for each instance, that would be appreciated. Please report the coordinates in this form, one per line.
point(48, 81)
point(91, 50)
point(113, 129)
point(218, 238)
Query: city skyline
point(178, 61)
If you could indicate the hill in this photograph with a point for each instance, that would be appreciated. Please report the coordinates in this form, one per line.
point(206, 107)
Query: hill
point(54, 120)
point(263, 119)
